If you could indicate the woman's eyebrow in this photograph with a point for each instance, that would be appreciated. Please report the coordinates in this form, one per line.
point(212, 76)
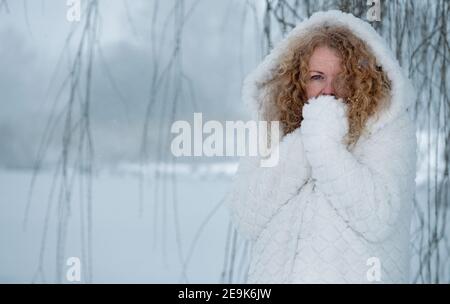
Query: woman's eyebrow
point(316, 72)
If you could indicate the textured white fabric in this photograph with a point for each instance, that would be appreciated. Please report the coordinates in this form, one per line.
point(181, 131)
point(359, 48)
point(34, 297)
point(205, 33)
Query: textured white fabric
point(323, 212)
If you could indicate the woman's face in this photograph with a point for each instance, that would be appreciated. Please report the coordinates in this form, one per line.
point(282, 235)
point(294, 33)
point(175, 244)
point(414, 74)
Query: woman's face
point(324, 66)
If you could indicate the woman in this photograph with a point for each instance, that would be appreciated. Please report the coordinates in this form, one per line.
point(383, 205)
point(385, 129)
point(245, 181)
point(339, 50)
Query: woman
point(336, 208)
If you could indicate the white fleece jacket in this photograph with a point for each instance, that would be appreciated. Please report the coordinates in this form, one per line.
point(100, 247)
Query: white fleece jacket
point(325, 214)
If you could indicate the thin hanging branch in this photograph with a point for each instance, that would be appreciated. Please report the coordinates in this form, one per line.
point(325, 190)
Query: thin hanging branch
point(76, 157)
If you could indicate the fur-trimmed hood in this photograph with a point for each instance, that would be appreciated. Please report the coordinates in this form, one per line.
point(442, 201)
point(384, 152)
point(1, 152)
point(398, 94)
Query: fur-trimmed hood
point(263, 108)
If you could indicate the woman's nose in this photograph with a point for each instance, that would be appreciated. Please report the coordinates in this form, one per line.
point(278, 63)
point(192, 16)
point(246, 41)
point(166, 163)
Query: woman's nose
point(328, 89)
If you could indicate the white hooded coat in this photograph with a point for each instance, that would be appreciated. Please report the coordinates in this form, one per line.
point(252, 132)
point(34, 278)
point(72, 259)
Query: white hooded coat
point(326, 214)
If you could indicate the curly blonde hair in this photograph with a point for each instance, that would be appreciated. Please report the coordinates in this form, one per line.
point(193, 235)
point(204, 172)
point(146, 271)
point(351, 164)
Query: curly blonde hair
point(362, 84)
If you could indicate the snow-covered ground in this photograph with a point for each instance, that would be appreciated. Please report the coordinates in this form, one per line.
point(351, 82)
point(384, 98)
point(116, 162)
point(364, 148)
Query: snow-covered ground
point(124, 248)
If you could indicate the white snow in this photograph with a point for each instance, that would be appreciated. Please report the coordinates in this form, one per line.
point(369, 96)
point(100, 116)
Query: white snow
point(123, 242)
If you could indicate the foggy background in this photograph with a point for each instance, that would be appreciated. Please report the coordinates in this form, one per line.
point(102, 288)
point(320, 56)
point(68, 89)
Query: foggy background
point(216, 52)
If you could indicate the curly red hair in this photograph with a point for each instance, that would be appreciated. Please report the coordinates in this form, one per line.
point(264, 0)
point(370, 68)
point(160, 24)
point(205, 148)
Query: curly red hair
point(362, 84)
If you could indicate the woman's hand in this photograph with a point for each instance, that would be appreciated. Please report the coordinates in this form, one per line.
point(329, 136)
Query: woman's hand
point(325, 116)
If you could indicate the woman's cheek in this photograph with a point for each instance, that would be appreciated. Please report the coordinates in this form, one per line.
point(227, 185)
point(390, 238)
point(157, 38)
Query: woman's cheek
point(313, 89)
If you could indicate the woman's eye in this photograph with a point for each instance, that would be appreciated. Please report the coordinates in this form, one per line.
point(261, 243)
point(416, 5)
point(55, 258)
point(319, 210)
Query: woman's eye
point(316, 77)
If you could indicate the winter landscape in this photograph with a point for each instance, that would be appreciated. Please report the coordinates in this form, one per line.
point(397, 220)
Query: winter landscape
point(86, 169)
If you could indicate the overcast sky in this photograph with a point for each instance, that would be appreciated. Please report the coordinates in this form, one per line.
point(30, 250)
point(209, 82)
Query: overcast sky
point(219, 46)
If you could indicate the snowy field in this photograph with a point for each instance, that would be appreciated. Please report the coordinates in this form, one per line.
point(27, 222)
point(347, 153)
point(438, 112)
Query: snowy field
point(129, 248)
point(124, 247)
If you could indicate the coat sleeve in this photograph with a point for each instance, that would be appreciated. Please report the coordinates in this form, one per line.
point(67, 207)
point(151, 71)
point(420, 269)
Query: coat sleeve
point(368, 191)
point(258, 192)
